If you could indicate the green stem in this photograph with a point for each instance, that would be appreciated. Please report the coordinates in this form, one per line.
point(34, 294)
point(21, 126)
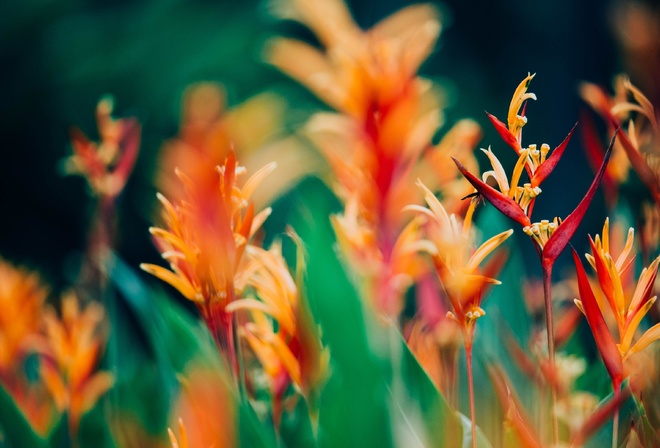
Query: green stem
point(615, 427)
point(549, 322)
point(473, 414)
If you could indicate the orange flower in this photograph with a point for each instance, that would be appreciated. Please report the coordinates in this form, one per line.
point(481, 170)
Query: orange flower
point(281, 332)
point(450, 243)
point(640, 145)
point(205, 410)
point(74, 345)
point(206, 237)
point(22, 298)
point(381, 137)
point(210, 130)
point(628, 308)
point(108, 164)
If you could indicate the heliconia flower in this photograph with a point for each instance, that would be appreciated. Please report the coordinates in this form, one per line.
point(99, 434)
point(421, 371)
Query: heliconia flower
point(72, 349)
point(210, 130)
point(627, 307)
point(205, 238)
point(108, 164)
point(381, 135)
point(205, 409)
point(22, 299)
point(281, 331)
point(551, 237)
point(642, 135)
point(450, 244)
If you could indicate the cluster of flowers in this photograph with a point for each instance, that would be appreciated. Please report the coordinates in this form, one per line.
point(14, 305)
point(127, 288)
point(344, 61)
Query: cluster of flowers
point(406, 232)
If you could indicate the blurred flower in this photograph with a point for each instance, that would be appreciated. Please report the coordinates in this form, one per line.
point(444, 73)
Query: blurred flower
point(205, 238)
point(72, 349)
point(22, 298)
point(641, 140)
point(457, 263)
point(204, 410)
point(108, 164)
point(575, 409)
point(210, 130)
point(281, 331)
point(183, 443)
point(381, 137)
point(628, 308)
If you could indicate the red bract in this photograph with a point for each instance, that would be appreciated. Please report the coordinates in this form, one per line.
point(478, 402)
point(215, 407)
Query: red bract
point(604, 341)
point(502, 202)
point(566, 230)
point(546, 167)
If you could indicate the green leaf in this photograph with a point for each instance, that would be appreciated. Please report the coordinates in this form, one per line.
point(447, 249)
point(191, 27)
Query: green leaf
point(14, 427)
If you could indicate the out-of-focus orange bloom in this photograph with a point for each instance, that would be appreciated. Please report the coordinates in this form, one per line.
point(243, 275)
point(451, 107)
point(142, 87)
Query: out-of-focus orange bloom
point(628, 306)
point(451, 244)
point(183, 437)
point(73, 347)
point(639, 146)
point(108, 164)
point(281, 332)
point(210, 130)
point(381, 137)
point(205, 238)
point(22, 297)
point(204, 410)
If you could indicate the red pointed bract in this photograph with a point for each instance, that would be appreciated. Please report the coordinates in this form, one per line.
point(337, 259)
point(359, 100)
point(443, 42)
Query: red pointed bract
point(566, 230)
point(551, 162)
point(606, 345)
point(504, 132)
point(500, 201)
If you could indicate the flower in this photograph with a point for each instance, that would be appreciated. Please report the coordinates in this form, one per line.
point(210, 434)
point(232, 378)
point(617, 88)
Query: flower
point(628, 308)
point(210, 130)
point(73, 347)
point(206, 237)
point(108, 164)
point(22, 298)
point(517, 202)
point(381, 136)
point(640, 141)
point(280, 330)
point(205, 409)
point(457, 263)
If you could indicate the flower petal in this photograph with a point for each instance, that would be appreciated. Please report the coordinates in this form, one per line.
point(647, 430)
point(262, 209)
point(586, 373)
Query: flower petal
point(651, 335)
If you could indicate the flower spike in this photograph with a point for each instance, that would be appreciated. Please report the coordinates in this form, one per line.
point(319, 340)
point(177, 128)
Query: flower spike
point(566, 230)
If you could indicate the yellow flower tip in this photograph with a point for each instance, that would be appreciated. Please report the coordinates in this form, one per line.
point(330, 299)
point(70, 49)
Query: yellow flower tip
point(578, 303)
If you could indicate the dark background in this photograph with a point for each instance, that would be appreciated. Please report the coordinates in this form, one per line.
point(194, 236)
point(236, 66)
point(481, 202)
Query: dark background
point(59, 57)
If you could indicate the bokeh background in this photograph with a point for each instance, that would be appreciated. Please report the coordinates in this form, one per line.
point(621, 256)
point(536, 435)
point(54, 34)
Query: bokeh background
point(59, 58)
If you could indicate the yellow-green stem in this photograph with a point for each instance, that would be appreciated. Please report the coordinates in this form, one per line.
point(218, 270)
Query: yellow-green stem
point(473, 414)
point(549, 322)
